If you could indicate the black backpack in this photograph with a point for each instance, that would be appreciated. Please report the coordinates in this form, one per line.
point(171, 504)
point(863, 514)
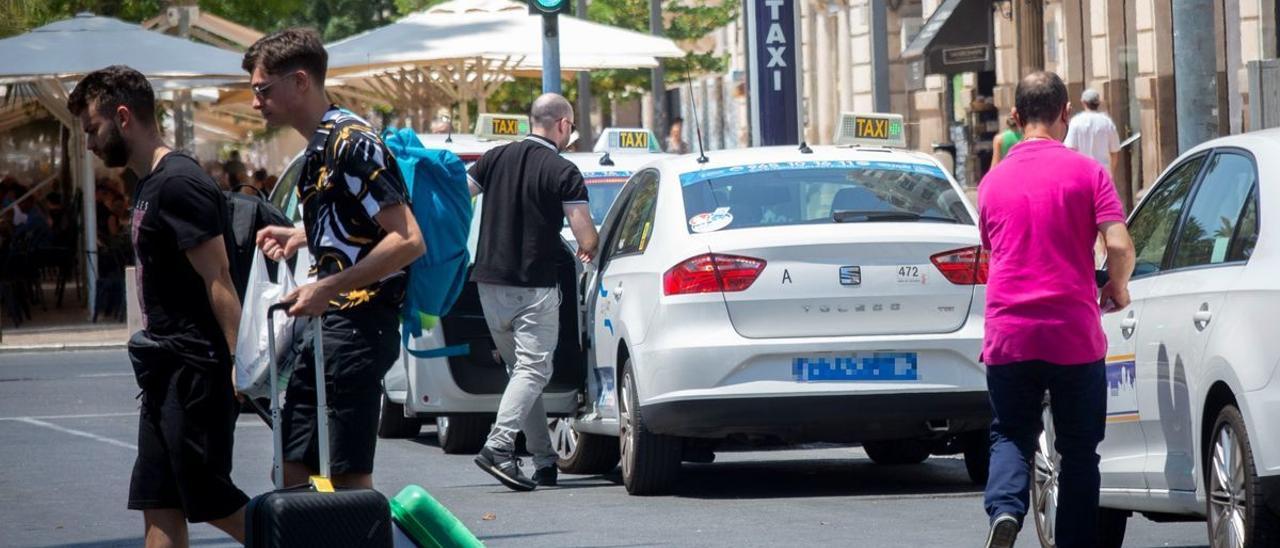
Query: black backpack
point(246, 215)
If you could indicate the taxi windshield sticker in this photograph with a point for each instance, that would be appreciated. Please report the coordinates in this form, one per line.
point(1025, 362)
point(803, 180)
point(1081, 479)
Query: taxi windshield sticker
point(605, 177)
point(711, 222)
point(695, 177)
point(506, 126)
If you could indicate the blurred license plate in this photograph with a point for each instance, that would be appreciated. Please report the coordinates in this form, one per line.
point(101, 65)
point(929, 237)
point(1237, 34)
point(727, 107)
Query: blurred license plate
point(858, 366)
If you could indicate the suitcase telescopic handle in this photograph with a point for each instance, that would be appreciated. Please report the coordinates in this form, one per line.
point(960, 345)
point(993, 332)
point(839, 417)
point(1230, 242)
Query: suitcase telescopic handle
point(277, 436)
point(322, 404)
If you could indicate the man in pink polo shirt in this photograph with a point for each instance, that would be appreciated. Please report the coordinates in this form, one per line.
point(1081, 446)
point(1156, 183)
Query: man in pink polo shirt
point(1041, 211)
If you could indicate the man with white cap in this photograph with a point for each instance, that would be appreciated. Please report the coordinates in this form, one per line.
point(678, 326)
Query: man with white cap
point(1092, 133)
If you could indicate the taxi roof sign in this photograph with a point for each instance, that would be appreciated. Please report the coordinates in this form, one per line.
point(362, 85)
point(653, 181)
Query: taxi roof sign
point(871, 129)
point(616, 139)
point(509, 127)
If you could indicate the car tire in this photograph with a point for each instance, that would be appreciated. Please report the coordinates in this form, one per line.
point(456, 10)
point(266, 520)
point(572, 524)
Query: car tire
point(582, 453)
point(897, 451)
point(977, 455)
point(650, 462)
point(462, 434)
point(1237, 513)
point(393, 424)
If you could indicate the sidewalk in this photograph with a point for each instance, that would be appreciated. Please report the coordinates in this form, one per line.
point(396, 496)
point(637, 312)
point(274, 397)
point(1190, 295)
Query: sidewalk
point(87, 336)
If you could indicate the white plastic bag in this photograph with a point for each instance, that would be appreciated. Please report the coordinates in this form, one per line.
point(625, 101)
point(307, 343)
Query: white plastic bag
point(252, 350)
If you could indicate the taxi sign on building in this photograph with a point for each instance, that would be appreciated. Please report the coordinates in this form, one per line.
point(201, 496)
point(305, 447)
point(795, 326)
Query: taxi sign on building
point(502, 126)
point(615, 140)
point(867, 129)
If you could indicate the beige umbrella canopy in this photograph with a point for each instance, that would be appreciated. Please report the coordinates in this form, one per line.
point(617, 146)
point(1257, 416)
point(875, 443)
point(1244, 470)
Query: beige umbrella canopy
point(467, 48)
point(48, 59)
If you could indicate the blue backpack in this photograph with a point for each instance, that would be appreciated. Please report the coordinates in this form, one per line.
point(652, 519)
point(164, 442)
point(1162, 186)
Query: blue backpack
point(441, 202)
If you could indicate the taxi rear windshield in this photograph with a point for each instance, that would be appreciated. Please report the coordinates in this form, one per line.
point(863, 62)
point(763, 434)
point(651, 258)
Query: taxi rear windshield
point(779, 197)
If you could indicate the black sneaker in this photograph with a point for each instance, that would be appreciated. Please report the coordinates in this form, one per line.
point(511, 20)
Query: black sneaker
point(506, 468)
point(1004, 530)
point(546, 476)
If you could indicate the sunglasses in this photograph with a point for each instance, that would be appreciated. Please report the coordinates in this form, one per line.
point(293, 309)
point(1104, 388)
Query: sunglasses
point(261, 90)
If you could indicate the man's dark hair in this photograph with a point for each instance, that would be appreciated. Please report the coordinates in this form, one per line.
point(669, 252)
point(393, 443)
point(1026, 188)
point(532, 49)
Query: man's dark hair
point(1040, 97)
point(288, 50)
point(109, 88)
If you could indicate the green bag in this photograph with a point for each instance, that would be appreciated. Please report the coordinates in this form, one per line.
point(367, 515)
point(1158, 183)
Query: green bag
point(428, 522)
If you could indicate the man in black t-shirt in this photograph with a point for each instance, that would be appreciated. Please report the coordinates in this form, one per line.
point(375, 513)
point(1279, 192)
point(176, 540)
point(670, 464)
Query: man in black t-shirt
point(359, 227)
point(182, 357)
point(529, 190)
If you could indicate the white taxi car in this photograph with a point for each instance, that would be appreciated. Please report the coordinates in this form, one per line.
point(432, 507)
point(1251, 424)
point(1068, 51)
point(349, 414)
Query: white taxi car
point(461, 393)
point(825, 294)
point(1192, 362)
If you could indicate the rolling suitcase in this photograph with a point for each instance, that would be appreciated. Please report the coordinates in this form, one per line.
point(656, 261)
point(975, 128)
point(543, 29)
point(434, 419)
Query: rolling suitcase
point(427, 523)
point(316, 514)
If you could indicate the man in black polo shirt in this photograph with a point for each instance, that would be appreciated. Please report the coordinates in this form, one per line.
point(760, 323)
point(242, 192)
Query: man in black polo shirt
point(190, 315)
point(529, 190)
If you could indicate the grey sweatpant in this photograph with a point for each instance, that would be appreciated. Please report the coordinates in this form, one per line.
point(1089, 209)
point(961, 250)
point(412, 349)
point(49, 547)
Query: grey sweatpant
point(525, 325)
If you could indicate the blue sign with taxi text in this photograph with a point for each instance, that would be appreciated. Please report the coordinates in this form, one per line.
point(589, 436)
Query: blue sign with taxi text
point(773, 50)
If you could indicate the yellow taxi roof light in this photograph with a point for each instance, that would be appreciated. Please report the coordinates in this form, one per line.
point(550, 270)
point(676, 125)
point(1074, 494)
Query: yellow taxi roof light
point(871, 129)
point(493, 127)
point(615, 140)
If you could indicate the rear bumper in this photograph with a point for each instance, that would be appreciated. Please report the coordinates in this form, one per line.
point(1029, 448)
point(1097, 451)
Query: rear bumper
point(836, 418)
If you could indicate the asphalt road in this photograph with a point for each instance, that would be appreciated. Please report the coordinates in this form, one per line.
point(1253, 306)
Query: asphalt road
point(68, 425)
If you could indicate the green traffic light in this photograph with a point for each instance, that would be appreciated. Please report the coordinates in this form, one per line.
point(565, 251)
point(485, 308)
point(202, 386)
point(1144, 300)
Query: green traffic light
point(550, 5)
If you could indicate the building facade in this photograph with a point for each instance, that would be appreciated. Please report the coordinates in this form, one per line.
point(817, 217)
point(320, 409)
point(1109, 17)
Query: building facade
point(1122, 48)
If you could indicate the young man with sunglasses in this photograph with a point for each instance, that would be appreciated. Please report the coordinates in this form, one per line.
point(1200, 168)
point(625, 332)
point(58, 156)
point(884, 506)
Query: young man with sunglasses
point(529, 190)
point(363, 235)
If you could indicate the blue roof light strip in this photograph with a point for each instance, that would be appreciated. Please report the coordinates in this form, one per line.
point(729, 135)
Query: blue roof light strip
point(695, 177)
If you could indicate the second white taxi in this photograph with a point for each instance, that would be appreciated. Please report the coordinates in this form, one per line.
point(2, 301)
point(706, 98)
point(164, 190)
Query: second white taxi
point(825, 294)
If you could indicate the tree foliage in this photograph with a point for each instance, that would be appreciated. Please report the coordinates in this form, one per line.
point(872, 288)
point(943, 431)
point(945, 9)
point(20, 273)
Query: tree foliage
point(334, 19)
point(19, 16)
point(685, 21)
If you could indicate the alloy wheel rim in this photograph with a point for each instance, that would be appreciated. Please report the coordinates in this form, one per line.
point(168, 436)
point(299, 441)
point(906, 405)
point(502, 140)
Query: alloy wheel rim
point(1045, 493)
point(1227, 494)
point(564, 439)
point(442, 427)
point(624, 422)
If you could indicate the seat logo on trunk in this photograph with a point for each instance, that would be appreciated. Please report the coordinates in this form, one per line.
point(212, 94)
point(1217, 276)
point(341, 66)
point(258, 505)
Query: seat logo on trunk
point(850, 275)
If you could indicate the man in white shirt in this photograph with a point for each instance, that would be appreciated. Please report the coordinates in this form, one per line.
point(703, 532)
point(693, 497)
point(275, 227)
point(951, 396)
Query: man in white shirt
point(1092, 133)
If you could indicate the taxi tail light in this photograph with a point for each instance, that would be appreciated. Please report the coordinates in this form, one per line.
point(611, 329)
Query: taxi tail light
point(710, 273)
point(966, 266)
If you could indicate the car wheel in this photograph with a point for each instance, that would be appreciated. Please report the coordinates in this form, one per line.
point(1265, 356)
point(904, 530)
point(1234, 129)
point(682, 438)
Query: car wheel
point(393, 424)
point(462, 434)
point(897, 451)
point(581, 453)
point(1044, 481)
point(977, 455)
point(650, 462)
point(1237, 513)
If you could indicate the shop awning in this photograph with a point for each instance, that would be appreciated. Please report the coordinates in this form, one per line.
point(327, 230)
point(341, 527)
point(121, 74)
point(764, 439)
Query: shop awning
point(957, 38)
